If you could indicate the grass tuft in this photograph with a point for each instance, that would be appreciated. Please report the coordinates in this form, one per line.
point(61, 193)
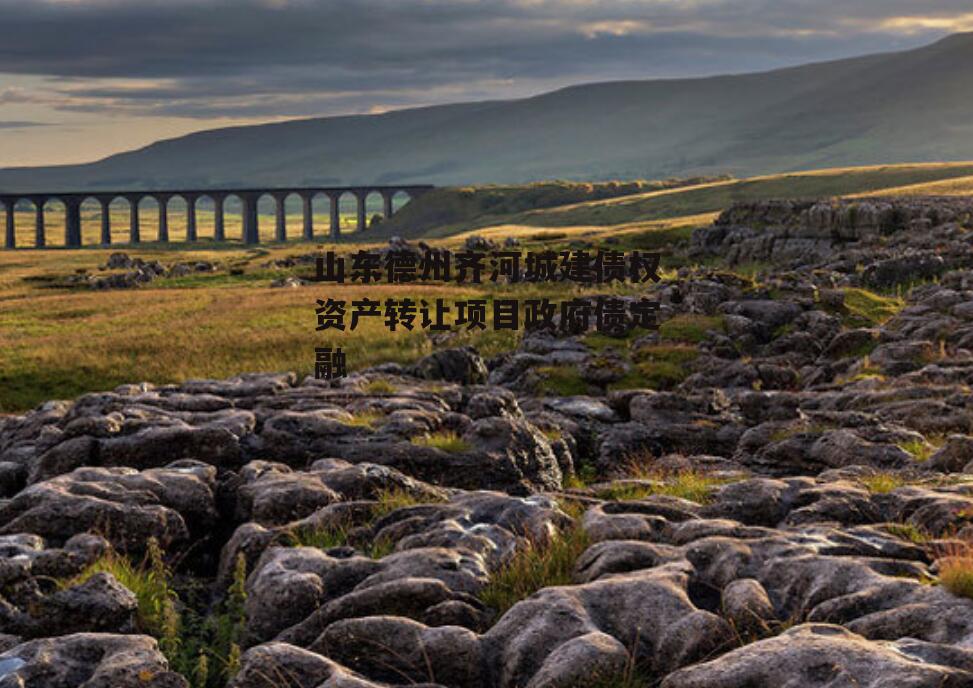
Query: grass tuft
point(204, 649)
point(691, 485)
point(561, 381)
point(365, 419)
point(882, 483)
point(868, 308)
point(444, 440)
point(690, 328)
point(909, 532)
point(380, 387)
point(338, 536)
point(148, 581)
point(661, 367)
point(956, 571)
point(535, 566)
point(390, 499)
point(920, 450)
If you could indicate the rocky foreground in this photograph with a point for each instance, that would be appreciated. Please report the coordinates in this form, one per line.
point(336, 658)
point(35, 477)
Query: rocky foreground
point(789, 505)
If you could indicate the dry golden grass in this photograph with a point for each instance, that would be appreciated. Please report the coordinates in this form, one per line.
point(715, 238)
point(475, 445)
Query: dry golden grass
point(956, 570)
point(64, 344)
point(58, 343)
point(962, 186)
point(590, 232)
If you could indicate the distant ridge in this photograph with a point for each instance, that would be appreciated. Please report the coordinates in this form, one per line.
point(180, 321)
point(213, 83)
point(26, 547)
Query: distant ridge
point(911, 106)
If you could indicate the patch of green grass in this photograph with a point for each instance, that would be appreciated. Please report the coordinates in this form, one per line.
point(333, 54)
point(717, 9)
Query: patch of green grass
point(561, 381)
point(448, 209)
point(866, 308)
point(340, 535)
point(319, 538)
point(804, 428)
point(691, 485)
point(658, 240)
point(203, 647)
point(216, 279)
point(909, 532)
point(380, 387)
point(535, 566)
point(660, 367)
point(597, 341)
point(573, 482)
point(391, 499)
point(365, 419)
point(626, 492)
point(676, 354)
point(920, 450)
point(690, 328)
point(864, 351)
point(329, 537)
point(148, 581)
point(882, 483)
point(584, 475)
point(445, 440)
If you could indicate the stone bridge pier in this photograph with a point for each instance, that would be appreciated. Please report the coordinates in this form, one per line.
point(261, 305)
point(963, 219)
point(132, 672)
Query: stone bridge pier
point(248, 199)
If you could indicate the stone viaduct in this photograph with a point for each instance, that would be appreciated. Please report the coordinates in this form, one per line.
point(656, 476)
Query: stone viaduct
point(248, 198)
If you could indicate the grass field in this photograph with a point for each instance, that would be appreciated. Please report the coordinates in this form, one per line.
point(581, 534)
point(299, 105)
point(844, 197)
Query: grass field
point(60, 342)
point(705, 198)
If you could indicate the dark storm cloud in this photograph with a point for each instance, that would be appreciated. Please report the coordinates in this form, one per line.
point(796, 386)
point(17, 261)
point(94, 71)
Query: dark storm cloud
point(208, 58)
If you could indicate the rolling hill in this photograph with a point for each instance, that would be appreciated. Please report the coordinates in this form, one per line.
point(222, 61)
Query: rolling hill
point(912, 106)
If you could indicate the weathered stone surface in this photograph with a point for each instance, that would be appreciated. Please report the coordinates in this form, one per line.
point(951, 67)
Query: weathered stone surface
point(127, 506)
point(92, 660)
point(819, 655)
point(758, 494)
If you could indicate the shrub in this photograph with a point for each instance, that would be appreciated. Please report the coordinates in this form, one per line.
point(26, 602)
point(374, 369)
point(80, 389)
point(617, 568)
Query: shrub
point(535, 566)
point(445, 440)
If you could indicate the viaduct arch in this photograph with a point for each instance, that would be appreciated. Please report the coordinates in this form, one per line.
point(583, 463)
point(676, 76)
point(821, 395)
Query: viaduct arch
point(248, 198)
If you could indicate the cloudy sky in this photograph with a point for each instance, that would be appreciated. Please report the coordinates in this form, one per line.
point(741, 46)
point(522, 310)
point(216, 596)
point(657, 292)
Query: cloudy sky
point(81, 79)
